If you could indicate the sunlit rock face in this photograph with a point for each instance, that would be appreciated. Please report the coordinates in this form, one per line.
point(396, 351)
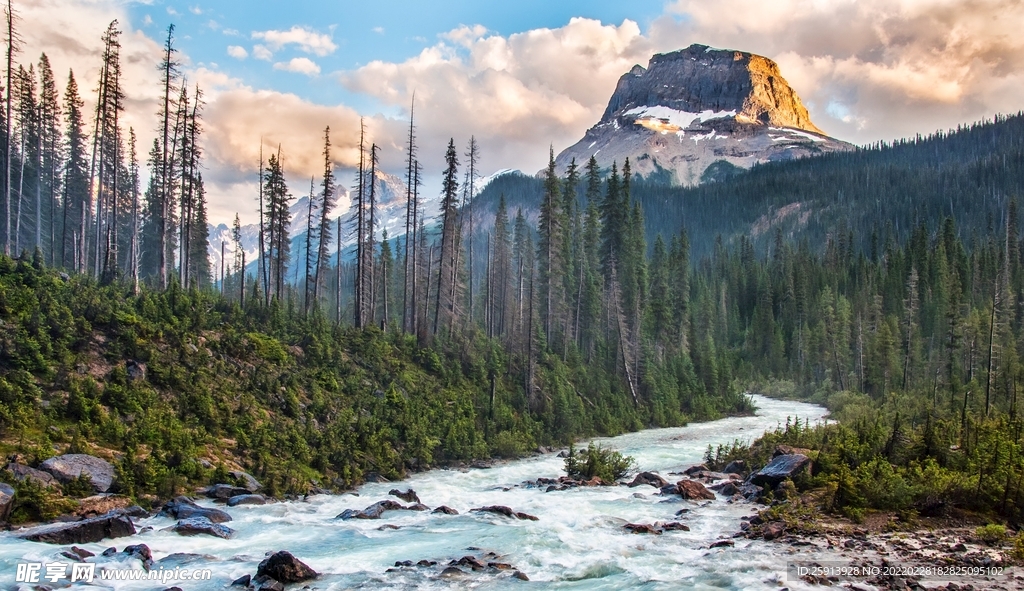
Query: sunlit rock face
point(698, 107)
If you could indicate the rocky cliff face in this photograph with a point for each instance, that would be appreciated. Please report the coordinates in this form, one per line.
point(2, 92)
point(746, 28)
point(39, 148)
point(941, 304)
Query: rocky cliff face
point(698, 107)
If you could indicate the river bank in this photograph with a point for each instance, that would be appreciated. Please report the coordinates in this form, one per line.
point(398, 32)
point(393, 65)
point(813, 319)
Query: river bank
point(576, 538)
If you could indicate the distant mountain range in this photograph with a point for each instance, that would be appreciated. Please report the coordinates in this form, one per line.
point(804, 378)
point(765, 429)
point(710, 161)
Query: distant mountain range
point(390, 194)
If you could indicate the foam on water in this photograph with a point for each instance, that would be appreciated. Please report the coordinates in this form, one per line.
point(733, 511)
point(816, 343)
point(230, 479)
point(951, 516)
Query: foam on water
point(577, 543)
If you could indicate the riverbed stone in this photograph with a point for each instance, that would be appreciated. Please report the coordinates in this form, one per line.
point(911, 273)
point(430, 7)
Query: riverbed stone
point(409, 495)
point(649, 478)
point(780, 468)
point(506, 511)
point(247, 500)
point(85, 531)
point(694, 491)
point(184, 508)
point(285, 567)
point(446, 510)
point(194, 526)
point(68, 467)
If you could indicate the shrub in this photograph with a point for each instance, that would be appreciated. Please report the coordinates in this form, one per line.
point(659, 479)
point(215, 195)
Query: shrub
point(607, 464)
point(992, 533)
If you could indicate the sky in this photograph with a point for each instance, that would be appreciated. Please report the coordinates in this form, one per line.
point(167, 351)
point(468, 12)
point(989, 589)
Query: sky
point(520, 77)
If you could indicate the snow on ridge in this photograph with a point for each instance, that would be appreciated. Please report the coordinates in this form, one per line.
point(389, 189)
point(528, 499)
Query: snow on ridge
point(680, 119)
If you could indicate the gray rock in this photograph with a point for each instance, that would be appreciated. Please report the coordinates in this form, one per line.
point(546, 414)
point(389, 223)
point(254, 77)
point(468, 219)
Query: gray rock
point(194, 526)
point(247, 500)
point(736, 467)
point(246, 479)
point(22, 472)
point(242, 581)
point(649, 478)
point(284, 567)
point(86, 531)
point(6, 501)
point(184, 508)
point(224, 491)
point(409, 495)
point(780, 468)
point(67, 467)
point(446, 510)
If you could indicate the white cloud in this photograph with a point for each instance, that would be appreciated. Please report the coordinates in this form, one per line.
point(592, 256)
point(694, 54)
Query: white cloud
point(171, 11)
point(238, 52)
point(464, 35)
point(515, 94)
point(299, 65)
point(231, 32)
point(378, 30)
point(306, 39)
point(260, 52)
point(195, 10)
point(147, 21)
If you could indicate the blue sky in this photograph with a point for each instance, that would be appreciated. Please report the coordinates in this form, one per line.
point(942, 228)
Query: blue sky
point(385, 30)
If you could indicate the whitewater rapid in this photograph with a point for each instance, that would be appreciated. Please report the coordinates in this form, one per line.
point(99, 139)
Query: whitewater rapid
point(578, 541)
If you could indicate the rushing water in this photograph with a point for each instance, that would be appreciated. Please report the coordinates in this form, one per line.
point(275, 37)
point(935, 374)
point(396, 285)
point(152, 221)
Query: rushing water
point(577, 543)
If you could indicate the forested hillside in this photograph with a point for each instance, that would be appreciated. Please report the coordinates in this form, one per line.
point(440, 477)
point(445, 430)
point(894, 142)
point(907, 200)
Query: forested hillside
point(885, 189)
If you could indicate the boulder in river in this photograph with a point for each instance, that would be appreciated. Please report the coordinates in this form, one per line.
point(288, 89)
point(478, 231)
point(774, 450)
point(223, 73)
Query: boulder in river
point(503, 510)
point(284, 567)
point(183, 508)
point(695, 469)
point(446, 510)
point(409, 495)
point(649, 478)
point(643, 528)
point(85, 531)
point(6, 501)
point(374, 511)
point(142, 552)
point(694, 491)
point(780, 468)
point(194, 526)
point(247, 500)
point(68, 467)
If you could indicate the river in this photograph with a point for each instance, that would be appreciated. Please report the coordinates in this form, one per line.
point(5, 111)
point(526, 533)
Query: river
point(578, 541)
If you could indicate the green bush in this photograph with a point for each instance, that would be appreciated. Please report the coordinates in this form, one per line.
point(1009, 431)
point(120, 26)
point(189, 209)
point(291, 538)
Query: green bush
point(991, 534)
point(607, 464)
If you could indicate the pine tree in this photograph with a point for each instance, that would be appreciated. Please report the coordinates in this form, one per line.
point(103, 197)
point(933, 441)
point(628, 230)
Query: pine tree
point(76, 176)
point(549, 252)
point(410, 253)
point(168, 74)
point(52, 155)
point(277, 222)
point(447, 273)
point(327, 201)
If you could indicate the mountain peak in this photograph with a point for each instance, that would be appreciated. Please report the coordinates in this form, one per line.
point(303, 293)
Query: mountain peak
point(698, 106)
point(701, 78)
